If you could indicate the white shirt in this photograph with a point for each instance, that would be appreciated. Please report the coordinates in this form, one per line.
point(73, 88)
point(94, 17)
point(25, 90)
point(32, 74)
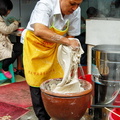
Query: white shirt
point(48, 11)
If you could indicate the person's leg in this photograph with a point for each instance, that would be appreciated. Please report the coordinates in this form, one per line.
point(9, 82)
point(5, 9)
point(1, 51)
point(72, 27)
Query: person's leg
point(17, 51)
point(38, 104)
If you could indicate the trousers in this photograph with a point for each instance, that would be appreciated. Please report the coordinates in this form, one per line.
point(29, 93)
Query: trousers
point(38, 104)
point(17, 51)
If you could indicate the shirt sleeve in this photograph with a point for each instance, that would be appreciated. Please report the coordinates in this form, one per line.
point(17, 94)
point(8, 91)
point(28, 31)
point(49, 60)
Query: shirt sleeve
point(40, 14)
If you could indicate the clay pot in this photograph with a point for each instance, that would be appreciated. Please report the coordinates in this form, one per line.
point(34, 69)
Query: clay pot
point(70, 106)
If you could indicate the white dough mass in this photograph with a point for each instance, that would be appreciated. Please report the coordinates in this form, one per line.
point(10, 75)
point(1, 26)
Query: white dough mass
point(69, 60)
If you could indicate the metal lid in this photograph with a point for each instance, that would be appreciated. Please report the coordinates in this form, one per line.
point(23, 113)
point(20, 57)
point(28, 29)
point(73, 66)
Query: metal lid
point(107, 48)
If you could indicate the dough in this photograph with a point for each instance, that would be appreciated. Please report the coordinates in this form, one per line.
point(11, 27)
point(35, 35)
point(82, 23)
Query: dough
point(69, 60)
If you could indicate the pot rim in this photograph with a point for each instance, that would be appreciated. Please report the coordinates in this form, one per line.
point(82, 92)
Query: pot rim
point(88, 91)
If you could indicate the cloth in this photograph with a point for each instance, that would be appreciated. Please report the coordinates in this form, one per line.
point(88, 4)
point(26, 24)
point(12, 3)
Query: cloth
point(5, 44)
point(44, 13)
point(40, 58)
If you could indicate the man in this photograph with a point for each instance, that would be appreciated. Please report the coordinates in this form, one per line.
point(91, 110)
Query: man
point(52, 22)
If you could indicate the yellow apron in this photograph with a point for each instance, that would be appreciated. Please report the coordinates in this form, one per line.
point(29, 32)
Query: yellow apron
point(40, 58)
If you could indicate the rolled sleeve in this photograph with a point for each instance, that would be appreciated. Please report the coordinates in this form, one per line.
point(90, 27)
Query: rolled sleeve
point(40, 14)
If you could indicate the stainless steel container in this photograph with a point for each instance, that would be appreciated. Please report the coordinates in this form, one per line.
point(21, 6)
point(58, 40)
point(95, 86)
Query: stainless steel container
point(106, 73)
